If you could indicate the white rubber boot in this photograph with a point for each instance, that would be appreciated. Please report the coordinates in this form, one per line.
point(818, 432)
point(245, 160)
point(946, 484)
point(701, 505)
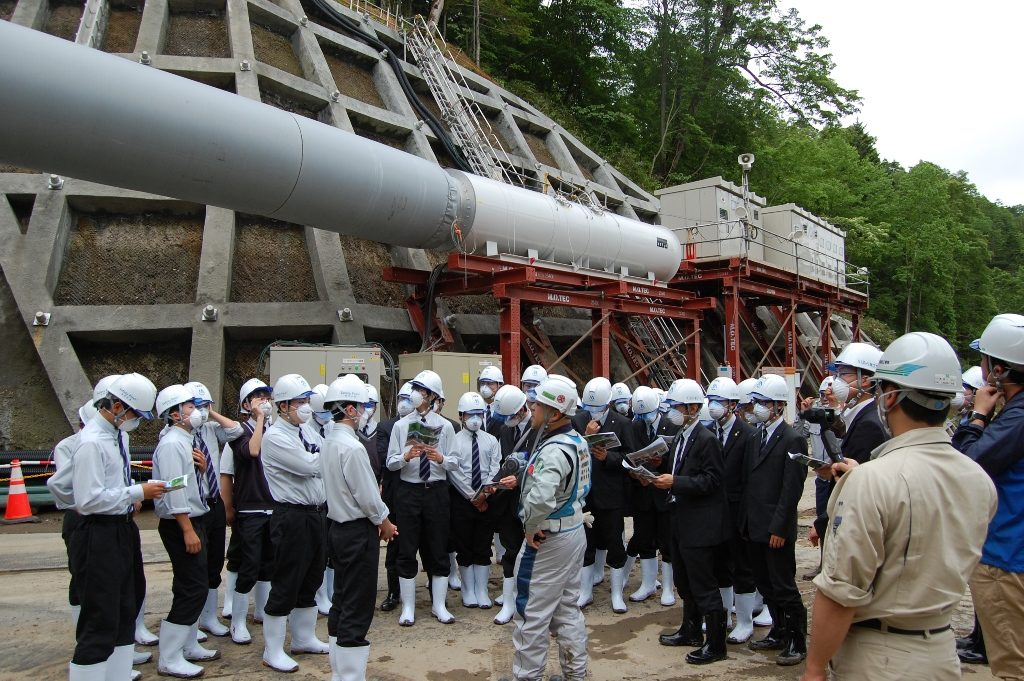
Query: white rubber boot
point(172, 660)
point(468, 587)
point(195, 652)
point(668, 587)
point(618, 580)
point(136, 675)
point(325, 593)
point(76, 612)
point(727, 598)
point(352, 663)
point(600, 557)
point(508, 601)
point(481, 574)
point(302, 622)
point(261, 592)
point(143, 636)
point(141, 656)
point(240, 609)
point(87, 672)
point(407, 589)
point(229, 589)
point(439, 590)
point(273, 645)
point(744, 619)
point(764, 618)
point(119, 664)
point(208, 618)
point(648, 579)
point(586, 587)
point(454, 579)
point(499, 549)
point(332, 656)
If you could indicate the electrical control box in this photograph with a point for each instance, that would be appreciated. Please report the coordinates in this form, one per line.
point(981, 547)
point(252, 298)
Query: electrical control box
point(458, 371)
point(799, 241)
point(710, 214)
point(324, 363)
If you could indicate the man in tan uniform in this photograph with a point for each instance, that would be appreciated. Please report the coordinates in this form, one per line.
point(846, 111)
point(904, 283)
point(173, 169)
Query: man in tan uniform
point(902, 542)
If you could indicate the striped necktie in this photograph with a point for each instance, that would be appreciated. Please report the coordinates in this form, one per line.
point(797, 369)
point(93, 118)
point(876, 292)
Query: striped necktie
point(211, 486)
point(309, 446)
point(476, 463)
point(424, 464)
point(126, 465)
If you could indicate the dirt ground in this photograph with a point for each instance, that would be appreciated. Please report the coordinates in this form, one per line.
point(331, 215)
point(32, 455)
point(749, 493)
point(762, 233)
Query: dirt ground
point(39, 638)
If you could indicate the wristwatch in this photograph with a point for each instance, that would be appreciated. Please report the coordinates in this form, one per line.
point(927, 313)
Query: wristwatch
point(978, 416)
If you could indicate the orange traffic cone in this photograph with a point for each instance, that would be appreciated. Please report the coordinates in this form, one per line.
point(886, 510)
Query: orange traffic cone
point(18, 510)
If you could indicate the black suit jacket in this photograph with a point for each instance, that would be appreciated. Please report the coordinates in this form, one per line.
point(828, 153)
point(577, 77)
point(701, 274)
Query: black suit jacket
point(495, 427)
point(700, 511)
point(645, 499)
point(388, 478)
point(740, 445)
point(863, 435)
point(772, 486)
point(608, 477)
point(508, 437)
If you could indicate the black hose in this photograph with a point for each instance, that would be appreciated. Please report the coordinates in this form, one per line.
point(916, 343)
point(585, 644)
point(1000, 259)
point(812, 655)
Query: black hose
point(352, 29)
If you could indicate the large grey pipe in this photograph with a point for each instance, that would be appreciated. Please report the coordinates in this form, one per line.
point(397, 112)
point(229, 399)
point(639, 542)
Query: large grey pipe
point(80, 112)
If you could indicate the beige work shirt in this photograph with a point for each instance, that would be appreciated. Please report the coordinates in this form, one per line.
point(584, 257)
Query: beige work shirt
point(906, 530)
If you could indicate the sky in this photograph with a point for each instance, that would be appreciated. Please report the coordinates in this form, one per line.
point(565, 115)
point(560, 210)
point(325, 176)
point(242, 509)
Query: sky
point(940, 81)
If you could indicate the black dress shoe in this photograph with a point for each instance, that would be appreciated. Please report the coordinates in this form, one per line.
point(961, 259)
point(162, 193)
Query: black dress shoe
point(775, 640)
point(389, 603)
point(714, 648)
point(972, 656)
point(681, 638)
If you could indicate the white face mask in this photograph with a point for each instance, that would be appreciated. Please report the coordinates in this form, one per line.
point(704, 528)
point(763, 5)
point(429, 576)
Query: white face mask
point(958, 401)
point(762, 413)
point(676, 417)
point(473, 423)
point(840, 390)
point(303, 413)
point(322, 417)
point(205, 413)
point(883, 413)
point(129, 426)
point(436, 407)
point(363, 418)
point(749, 417)
point(622, 407)
point(717, 410)
point(370, 411)
point(486, 391)
point(405, 406)
point(268, 410)
point(195, 419)
point(514, 421)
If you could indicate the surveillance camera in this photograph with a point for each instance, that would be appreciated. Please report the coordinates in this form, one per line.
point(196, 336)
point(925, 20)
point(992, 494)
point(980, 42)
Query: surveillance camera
point(746, 161)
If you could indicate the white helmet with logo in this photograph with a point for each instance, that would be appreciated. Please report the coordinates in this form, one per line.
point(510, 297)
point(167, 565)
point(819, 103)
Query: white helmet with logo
point(597, 392)
point(103, 387)
point(347, 388)
point(137, 391)
point(744, 389)
point(371, 394)
point(973, 378)
point(558, 392)
point(247, 389)
point(645, 400)
point(924, 363)
point(471, 402)
point(685, 391)
point(491, 373)
point(171, 397)
point(316, 400)
point(291, 387)
point(200, 392)
point(534, 373)
point(826, 384)
point(1003, 339)
point(859, 356)
point(86, 412)
point(723, 388)
point(620, 391)
point(430, 381)
point(509, 400)
point(771, 387)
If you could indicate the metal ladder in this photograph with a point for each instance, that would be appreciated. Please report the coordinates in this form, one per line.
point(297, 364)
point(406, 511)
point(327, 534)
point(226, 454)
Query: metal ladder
point(656, 335)
point(465, 121)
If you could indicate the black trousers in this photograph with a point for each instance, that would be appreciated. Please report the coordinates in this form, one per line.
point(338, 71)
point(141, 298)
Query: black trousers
point(732, 564)
point(255, 550)
point(775, 577)
point(606, 534)
point(423, 517)
point(71, 522)
point(355, 550)
point(234, 555)
point(652, 532)
point(216, 534)
point(299, 559)
point(693, 571)
point(504, 510)
point(189, 585)
point(106, 556)
point(471, 531)
point(389, 484)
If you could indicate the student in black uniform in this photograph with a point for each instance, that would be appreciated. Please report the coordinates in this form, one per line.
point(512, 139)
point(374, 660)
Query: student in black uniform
point(607, 498)
point(772, 489)
point(693, 477)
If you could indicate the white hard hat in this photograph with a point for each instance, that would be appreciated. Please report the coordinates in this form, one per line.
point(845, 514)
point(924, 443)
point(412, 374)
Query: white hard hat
point(248, 388)
point(534, 373)
point(471, 402)
point(597, 392)
point(771, 387)
point(200, 392)
point(859, 356)
point(86, 412)
point(371, 394)
point(405, 390)
point(744, 388)
point(316, 400)
point(508, 400)
point(973, 378)
point(620, 391)
point(137, 391)
point(172, 396)
point(922, 362)
point(645, 400)
point(826, 384)
point(291, 387)
point(1003, 339)
point(705, 414)
point(685, 391)
point(347, 388)
point(429, 380)
point(103, 387)
point(558, 392)
point(723, 388)
point(491, 373)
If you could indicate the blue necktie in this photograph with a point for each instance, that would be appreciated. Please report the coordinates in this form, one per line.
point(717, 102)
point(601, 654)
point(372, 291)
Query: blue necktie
point(212, 487)
point(310, 447)
point(424, 463)
point(476, 463)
